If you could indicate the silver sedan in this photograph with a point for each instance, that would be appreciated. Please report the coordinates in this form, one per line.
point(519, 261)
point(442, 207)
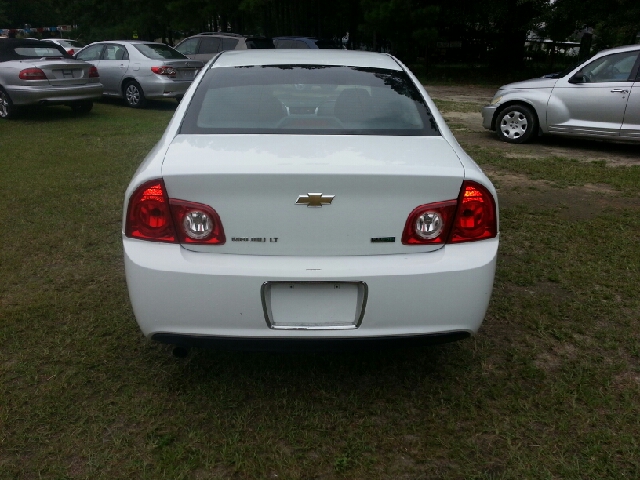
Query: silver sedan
point(138, 70)
point(600, 98)
point(41, 73)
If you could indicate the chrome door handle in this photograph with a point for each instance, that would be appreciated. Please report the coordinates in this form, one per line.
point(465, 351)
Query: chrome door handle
point(619, 90)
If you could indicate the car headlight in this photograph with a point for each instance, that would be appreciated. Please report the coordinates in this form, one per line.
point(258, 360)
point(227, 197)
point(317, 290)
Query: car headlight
point(496, 99)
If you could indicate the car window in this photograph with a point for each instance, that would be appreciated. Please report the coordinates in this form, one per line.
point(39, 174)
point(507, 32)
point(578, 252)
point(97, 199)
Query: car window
point(70, 44)
point(90, 53)
point(210, 45)
point(300, 44)
point(188, 47)
point(115, 52)
point(280, 43)
point(260, 43)
point(308, 99)
point(158, 51)
point(229, 43)
point(611, 68)
point(38, 51)
point(328, 44)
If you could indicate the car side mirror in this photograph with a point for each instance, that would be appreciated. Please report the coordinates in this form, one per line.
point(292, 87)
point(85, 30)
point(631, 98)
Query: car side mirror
point(578, 77)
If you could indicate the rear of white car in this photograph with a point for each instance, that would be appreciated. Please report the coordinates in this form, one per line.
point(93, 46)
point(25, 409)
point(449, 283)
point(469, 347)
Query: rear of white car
point(344, 210)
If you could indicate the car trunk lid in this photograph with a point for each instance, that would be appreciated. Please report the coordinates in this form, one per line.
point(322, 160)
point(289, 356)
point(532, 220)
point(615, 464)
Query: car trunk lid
point(185, 69)
point(63, 72)
point(261, 187)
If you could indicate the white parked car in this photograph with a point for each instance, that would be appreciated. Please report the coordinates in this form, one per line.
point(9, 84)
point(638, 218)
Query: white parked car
point(308, 197)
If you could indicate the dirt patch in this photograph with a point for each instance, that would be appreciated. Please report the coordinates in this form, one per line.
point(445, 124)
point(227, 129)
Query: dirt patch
point(470, 132)
point(466, 93)
point(554, 359)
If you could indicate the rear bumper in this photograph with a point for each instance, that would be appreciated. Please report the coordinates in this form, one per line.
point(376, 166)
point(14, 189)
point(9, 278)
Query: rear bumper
point(308, 344)
point(160, 87)
point(174, 291)
point(47, 94)
point(487, 116)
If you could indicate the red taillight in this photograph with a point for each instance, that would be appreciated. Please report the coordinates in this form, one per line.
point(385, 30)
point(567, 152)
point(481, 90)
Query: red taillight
point(438, 216)
point(197, 223)
point(93, 72)
point(149, 214)
point(71, 51)
point(153, 216)
point(167, 71)
point(471, 217)
point(476, 214)
point(32, 74)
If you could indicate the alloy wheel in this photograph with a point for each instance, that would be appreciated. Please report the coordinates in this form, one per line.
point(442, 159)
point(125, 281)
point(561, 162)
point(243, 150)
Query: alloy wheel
point(132, 93)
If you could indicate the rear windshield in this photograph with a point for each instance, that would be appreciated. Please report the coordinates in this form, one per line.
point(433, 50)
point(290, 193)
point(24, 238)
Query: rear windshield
point(39, 51)
point(308, 99)
point(158, 51)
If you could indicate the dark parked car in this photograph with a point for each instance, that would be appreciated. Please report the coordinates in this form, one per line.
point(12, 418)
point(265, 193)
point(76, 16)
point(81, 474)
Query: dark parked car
point(43, 73)
point(205, 46)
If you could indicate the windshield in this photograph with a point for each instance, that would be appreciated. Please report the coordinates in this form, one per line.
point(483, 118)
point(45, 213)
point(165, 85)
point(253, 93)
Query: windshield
point(308, 99)
point(158, 51)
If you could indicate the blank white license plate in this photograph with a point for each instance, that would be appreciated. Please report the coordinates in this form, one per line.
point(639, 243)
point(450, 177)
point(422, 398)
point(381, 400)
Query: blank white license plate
point(314, 305)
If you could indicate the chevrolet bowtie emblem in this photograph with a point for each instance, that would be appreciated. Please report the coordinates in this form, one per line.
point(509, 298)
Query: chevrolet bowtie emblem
point(314, 200)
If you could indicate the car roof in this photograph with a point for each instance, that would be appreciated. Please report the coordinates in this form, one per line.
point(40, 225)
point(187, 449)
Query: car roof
point(351, 58)
point(295, 38)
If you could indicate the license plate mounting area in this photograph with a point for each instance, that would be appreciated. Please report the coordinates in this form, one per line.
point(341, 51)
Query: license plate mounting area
point(314, 305)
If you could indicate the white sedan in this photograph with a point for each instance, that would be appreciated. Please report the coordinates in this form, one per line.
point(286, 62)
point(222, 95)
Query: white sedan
point(308, 198)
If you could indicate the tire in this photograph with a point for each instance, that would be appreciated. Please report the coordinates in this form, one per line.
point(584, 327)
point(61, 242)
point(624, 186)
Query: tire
point(133, 94)
point(516, 124)
point(7, 110)
point(82, 107)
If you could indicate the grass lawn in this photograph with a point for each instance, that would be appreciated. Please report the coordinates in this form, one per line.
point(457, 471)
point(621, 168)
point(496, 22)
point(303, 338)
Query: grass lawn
point(550, 388)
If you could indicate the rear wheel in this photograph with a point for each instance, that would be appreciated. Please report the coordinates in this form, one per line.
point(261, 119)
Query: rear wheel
point(133, 95)
point(7, 110)
point(516, 124)
point(81, 107)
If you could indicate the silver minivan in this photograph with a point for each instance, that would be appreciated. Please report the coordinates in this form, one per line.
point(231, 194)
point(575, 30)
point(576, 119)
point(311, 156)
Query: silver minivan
point(600, 98)
point(137, 70)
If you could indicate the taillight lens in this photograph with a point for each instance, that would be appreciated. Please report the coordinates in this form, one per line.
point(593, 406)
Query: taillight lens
point(71, 51)
point(167, 71)
point(149, 214)
point(429, 224)
point(32, 74)
point(471, 217)
point(476, 214)
point(153, 216)
point(93, 72)
point(197, 223)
